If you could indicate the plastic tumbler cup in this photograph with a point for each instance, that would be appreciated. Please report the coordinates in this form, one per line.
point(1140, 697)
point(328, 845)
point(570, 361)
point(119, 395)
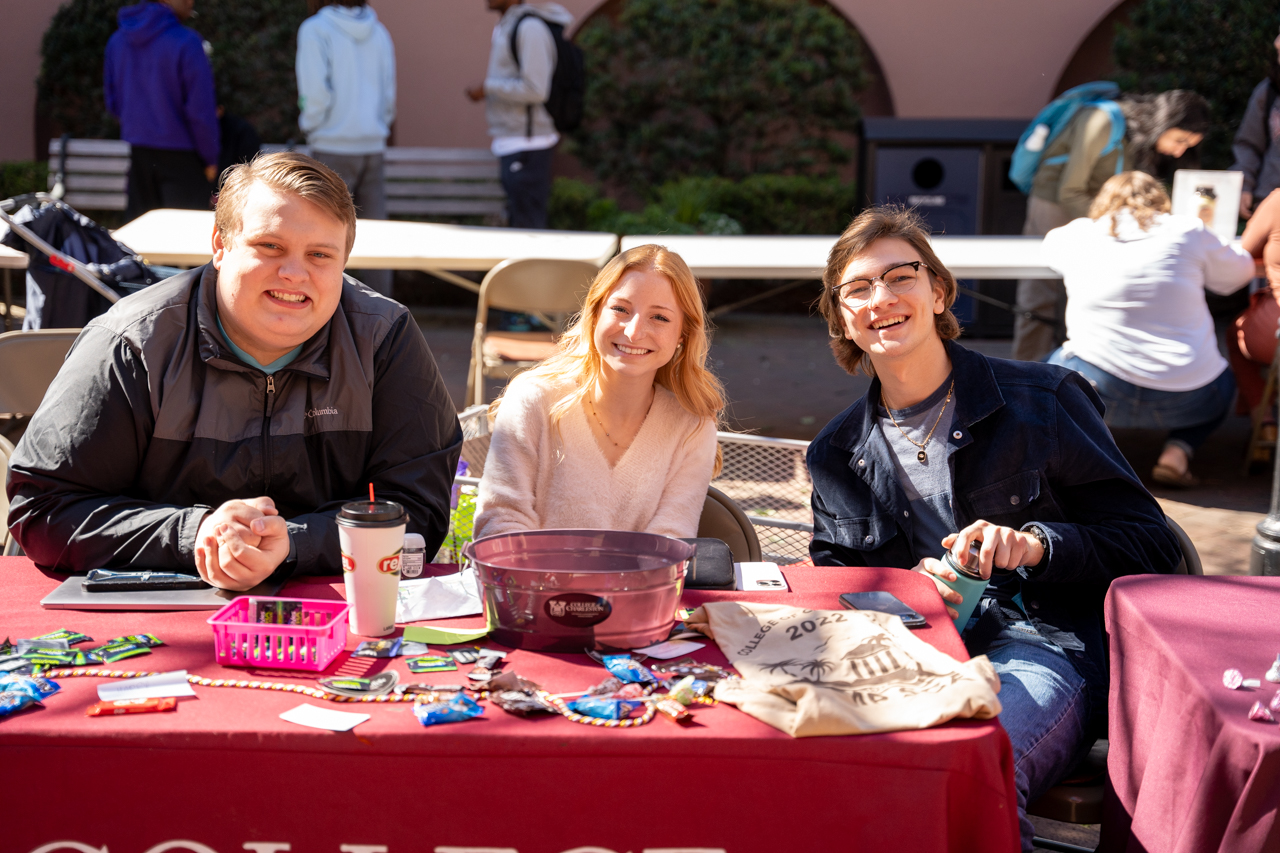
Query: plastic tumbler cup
point(371, 534)
point(968, 583)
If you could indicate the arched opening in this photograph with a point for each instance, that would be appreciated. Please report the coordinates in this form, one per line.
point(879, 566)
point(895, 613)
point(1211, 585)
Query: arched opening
point(1092, 59)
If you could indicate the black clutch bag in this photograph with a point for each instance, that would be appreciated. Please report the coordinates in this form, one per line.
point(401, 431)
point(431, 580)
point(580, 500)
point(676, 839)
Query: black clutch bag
point(711, 566)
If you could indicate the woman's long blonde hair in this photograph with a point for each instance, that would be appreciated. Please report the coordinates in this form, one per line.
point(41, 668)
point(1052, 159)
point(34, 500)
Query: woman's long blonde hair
point(577, 363)
point(1139, 193)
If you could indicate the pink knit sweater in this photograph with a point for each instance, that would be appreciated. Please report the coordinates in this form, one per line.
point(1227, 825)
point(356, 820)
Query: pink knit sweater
point(537, 477)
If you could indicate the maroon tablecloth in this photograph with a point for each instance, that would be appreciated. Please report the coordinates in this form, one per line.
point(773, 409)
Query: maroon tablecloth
point(1189, 771)
point(224, 770)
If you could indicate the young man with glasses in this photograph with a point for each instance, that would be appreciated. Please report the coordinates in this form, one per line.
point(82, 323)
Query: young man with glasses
point(948, 448)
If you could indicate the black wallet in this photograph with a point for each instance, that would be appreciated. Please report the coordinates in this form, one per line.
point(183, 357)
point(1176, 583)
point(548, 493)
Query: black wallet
point(711, 566)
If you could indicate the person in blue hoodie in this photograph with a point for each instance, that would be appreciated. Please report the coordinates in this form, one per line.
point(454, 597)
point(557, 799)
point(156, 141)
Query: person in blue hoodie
point(158, 83)
point(346, 69)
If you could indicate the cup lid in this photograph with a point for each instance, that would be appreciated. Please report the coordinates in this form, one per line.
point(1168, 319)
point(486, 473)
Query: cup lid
point(371, 512)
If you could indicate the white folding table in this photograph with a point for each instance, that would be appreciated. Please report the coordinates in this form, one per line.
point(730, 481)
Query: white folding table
point(184, 238)
point(805, 257)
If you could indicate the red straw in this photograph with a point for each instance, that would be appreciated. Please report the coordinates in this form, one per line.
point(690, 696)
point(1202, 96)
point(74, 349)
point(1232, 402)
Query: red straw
point(371, 493)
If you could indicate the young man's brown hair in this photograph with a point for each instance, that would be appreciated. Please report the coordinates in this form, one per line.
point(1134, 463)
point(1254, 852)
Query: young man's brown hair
point(284, 171)
point(873, 224)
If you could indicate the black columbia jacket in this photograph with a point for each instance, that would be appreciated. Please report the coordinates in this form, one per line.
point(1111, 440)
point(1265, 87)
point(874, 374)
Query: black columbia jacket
point(152, 420)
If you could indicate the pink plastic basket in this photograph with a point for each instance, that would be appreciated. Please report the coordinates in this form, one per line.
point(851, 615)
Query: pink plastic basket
point(311, 646)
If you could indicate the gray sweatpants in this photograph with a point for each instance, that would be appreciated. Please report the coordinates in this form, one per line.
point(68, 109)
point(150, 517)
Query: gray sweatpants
point(364, 176)
point(1033, 339)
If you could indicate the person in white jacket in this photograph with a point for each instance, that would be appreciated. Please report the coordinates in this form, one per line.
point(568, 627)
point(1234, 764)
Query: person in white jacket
point(515, 91)
point(346, 69)
point(1138, 327)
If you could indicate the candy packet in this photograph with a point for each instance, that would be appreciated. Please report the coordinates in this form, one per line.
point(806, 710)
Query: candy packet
point(625, 668)
point(13, 701)
point(688, 666)
point(605, 709)
point(387, 648)
point(38, 644)
point(37, 687)
point(148, 640)
point(132, 706)
point(113, 652)
point(410, 649)
point(432, 663)
point(71, 637)
point(454, 710)
point(381, 683)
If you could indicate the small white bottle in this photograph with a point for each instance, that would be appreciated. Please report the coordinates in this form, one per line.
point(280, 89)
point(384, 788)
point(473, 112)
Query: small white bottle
point(413, 555)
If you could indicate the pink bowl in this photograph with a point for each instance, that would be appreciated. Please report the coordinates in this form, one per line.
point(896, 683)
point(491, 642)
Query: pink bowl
point(566, 590)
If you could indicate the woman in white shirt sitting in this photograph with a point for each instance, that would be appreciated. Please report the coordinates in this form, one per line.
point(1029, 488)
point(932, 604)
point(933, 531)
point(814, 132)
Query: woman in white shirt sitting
point(1138, 327)
point(616, 430)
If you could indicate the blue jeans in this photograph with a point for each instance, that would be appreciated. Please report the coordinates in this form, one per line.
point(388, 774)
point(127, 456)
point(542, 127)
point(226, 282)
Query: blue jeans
point(1044, 710)
point(1190, 416)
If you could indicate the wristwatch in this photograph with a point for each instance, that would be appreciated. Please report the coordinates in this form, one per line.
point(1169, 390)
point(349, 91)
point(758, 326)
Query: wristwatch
point(1042, 537)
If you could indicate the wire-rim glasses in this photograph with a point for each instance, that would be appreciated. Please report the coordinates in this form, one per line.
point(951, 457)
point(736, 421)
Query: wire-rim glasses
point(897, 279)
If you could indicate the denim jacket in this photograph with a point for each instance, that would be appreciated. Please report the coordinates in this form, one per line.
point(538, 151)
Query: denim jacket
point(1030, 446)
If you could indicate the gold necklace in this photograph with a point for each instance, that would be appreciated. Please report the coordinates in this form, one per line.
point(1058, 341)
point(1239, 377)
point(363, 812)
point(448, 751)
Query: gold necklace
point(602, 429)
point(922, 456)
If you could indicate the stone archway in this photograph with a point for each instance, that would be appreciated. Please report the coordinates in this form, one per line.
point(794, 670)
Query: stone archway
point(876, 100)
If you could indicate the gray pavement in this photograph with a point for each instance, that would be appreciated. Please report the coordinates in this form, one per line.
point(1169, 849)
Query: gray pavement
point(782, 381)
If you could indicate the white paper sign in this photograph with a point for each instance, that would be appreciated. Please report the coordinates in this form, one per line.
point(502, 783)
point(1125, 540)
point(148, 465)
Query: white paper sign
point(439, 598)
point(670, 649)
point(323, 718)
point(1213, 197)
point(150, 687)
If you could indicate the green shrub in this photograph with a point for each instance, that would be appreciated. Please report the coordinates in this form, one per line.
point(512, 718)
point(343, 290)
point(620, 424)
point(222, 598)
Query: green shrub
point(254, 44)
point(1219, 48)
point(718, 88)
point(23, 176)
point(759, 204)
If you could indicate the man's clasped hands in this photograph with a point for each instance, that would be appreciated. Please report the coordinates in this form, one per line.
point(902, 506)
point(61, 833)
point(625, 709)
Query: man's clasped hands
point(239, 544)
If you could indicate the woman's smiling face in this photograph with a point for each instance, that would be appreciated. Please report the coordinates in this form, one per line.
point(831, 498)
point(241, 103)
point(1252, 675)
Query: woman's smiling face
point(891, 325)
point(640, 324)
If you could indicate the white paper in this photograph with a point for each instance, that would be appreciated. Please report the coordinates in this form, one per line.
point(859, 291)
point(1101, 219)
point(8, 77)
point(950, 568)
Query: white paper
point(438, 598)
point(151, 687)
point(670, 649)
point(323, 718)
point(1226, 186)
point(759, 577)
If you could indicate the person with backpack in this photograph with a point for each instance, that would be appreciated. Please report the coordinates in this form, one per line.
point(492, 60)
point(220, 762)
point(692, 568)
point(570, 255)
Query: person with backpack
point(1067, 153)
point(1255, 154)
point(532, 93)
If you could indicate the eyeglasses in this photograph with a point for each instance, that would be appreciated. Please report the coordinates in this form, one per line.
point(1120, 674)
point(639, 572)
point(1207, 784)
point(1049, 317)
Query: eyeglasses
point(856, 293)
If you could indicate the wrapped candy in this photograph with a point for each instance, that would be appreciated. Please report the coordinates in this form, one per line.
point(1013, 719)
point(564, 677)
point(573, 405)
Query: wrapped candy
point(1273, 674)
point(605, 709)
point(455, 710)
point(1275, 703)
point(1232, 679)
point(1260, 714)
point(626, 668)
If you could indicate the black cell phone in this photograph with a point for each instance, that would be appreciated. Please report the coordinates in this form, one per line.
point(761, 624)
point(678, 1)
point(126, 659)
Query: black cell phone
point(884, 602)
point(106, 580)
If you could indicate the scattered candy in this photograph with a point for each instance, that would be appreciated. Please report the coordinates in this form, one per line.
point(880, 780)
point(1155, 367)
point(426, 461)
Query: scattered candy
point(455, 710)
point(1259, 713)
point(627, 669)
point(432, 663)
point(131, 706)
point(1275, 703)
point(1251, 682)
point(672, 709)
point(1232, 679)
point(1273, 674)
point(688, 666)
point(605, 709)
point(378, 648)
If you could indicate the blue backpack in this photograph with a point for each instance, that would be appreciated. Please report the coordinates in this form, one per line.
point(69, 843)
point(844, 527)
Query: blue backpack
point(1050, 121)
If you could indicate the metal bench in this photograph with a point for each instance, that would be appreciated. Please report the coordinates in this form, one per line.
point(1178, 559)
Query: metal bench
point(94, 173)
point(436, 182)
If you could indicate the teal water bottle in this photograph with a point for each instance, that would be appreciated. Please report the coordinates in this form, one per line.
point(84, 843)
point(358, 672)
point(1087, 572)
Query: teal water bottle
point(968, 583)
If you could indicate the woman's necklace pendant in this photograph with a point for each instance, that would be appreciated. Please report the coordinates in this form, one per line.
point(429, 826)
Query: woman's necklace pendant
point(923, 457)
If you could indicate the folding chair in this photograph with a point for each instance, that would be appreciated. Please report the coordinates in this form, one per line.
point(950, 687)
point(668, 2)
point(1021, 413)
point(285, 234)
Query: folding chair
point(28, 363)
point(724, 520)
point(548, 289)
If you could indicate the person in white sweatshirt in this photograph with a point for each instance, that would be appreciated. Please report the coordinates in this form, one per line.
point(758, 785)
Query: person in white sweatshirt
point(515, 91)
point(346, 69)
point(1138, 327)
point(617, 429)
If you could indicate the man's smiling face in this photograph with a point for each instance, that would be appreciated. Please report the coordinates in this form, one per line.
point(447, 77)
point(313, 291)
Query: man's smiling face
point(280, 274)
point(891, 325)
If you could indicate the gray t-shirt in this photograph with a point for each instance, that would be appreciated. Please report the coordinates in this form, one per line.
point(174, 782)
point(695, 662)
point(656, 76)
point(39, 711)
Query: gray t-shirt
point(927, 484)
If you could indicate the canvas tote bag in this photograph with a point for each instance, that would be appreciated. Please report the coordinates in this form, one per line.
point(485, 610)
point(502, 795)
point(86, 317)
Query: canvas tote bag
point(841, 672)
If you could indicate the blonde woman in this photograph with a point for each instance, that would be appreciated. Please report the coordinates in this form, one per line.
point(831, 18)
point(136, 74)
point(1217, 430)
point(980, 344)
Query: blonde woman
point(1138, 327)
point(617, 430)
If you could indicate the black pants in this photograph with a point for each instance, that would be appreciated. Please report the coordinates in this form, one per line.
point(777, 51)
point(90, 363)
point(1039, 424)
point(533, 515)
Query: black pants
point(162, 178)
point(526, 177)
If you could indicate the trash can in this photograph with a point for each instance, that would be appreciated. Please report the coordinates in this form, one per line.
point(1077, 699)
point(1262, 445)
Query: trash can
point(955, 172)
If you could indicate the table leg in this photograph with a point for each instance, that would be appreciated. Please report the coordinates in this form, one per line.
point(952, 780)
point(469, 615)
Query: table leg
point(8, 299)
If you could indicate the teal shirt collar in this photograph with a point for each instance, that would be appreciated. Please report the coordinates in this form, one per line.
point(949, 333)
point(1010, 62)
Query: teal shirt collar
point(268, 369)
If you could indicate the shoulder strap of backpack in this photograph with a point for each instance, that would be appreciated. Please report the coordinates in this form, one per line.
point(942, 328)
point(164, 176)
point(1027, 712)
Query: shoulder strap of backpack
point(515, 54)
point(1116, 140)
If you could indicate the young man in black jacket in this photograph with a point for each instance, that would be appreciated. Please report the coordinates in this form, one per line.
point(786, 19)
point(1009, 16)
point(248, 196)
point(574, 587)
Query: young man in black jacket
point(221, 418)
point(949, 448)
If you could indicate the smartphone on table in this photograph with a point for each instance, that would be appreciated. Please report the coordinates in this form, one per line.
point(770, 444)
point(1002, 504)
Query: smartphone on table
point(883, 602)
